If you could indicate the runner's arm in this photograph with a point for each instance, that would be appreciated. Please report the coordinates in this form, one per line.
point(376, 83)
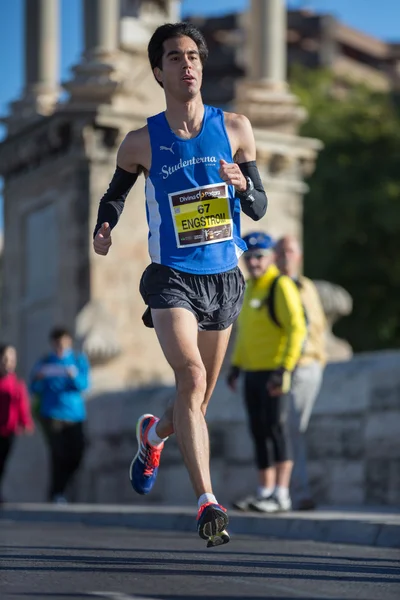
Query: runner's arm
point(126, 173)
point(253, 199)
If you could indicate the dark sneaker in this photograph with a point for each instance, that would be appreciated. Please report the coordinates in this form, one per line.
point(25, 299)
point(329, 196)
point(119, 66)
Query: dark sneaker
point(211, 523)
point(144, 467)
point(244, 503)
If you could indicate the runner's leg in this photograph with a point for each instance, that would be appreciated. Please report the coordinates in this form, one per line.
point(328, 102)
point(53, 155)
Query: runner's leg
point(212, 346)
point(176, 329)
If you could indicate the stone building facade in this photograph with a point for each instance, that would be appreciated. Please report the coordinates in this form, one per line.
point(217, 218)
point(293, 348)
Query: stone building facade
point(59, 157)
point(312, 40)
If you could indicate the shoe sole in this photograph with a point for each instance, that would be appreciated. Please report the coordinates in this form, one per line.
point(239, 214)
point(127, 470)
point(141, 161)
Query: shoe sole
point(218, 540)
point(214, 530)
point(138, 427)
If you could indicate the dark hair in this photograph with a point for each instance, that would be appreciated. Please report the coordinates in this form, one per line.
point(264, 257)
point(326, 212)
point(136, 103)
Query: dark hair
point(165, 32)
point(59, 332)
point(3, 348)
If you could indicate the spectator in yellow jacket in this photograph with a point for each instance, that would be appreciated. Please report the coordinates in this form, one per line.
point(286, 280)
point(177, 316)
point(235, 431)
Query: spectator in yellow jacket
point(270, 335)
point(307, 379)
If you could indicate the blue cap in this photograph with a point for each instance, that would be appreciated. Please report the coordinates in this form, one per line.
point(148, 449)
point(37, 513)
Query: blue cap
point(258, 240)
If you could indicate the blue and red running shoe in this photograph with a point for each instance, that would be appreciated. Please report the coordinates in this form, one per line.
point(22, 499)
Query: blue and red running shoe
point(144, 467)
point(211, 523)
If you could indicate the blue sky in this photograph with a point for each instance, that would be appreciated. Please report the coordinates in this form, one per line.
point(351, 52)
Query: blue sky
point(379, 18)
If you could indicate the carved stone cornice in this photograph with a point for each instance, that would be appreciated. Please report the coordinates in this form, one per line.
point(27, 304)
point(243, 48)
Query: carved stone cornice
point(337, 303)
point(269, 105)
point(45, 139)
point(86, 132)
point(285, 157)
point(36, 103)
point(96, 333)
point(94, 83)
point(98, 82)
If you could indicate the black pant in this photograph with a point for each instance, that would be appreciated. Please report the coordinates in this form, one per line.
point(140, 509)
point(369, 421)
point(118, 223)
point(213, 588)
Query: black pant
point(268, 420)
point(67, 443)
point(6, 443)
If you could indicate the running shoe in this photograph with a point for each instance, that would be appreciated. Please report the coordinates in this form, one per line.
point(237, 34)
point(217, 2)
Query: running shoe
point(272, 504)
point(144, 467)
point(211, 523)
point(244, 503)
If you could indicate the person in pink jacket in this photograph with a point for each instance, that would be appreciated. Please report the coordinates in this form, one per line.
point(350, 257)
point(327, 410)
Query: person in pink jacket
point(15, 412)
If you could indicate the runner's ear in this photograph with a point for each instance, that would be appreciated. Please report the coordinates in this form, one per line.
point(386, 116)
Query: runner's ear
point(158, 74)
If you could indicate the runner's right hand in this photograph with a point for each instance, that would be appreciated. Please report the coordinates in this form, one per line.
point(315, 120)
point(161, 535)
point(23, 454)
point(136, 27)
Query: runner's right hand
point(102, 240)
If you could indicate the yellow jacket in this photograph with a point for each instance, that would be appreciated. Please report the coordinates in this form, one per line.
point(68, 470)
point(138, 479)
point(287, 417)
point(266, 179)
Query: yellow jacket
point(315, 345)
point(260, 344)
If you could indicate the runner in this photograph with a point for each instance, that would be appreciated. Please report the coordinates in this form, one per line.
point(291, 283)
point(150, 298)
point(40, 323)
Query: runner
point(200, 170)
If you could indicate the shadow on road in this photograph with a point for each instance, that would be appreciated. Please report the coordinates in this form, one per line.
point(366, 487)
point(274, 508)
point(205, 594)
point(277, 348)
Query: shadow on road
point(220, 552)
point(214, 564)
point(163, 597)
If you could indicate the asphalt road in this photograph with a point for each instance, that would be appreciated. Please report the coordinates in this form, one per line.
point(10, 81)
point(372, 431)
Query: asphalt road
point(68, 561)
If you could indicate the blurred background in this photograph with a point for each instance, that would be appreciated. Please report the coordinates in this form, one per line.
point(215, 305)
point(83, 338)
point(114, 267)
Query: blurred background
point(321, 88)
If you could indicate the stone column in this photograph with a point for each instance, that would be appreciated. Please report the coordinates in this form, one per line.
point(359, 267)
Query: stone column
point(101, 21)
point(268, 40)
point(97, 77)
point(264, 95)
point(41, 53)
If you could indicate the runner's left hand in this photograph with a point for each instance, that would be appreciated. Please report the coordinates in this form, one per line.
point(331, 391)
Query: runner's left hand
point(232, 175)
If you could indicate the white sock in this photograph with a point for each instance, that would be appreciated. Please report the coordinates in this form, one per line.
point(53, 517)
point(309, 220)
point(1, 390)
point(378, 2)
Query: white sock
point(205, 498)
point(153, 438)
point(282, 492)
point(264, 492)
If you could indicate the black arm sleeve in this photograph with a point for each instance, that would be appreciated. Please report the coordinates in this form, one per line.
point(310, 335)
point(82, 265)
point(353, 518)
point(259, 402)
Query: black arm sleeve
point(112, 203)
point(253, 202)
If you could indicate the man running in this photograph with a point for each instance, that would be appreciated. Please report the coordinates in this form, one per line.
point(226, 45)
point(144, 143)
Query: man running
point(200, 170)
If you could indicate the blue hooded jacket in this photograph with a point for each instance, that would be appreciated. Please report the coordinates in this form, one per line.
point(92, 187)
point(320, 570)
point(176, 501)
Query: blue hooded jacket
point(60, 385)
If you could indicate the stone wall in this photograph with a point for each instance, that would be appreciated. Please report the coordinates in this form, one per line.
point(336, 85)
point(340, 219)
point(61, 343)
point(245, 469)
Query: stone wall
point(45, 266)
point(353, 442)
point(354, 434)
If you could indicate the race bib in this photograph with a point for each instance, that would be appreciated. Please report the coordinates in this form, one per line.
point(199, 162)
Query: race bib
point(201, 215)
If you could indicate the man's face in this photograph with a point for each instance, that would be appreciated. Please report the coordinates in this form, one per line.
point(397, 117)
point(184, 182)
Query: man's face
point(61, 344)
point(8, 361)
point(182, 71)
point(288, 256)
point(257, 262)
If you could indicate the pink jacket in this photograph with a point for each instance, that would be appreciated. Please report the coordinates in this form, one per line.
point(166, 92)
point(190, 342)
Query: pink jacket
point(15, 412)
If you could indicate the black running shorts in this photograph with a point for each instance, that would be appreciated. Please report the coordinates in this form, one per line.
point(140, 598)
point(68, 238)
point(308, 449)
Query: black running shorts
point(215, 300)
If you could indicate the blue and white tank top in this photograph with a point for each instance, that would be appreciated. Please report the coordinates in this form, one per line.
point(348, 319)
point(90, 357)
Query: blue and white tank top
point(193, 216)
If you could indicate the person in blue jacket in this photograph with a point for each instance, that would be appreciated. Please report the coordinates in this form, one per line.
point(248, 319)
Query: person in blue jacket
point(58, 381)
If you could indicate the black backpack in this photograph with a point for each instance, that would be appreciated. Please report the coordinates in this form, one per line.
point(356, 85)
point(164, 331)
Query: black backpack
point(270, 303)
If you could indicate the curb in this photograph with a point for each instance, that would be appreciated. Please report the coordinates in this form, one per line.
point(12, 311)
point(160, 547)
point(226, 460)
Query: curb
point(369, 529)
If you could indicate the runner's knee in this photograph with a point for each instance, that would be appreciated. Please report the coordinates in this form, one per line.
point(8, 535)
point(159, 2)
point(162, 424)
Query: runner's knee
point(192, 380)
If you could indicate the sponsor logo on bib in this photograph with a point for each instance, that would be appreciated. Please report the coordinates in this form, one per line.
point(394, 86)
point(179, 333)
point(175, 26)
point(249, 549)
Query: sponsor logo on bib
point(201, 215)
